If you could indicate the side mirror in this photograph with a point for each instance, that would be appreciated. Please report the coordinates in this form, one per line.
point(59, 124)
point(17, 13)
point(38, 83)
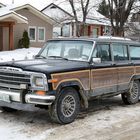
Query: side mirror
point(96, 60)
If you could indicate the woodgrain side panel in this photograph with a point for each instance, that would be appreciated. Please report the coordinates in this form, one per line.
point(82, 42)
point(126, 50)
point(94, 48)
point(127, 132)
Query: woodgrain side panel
point(103, 77)
point(125, 74)
point(83, 77)
point(137, 71)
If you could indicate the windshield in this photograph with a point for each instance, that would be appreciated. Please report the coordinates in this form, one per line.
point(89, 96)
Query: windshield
point(70, 50)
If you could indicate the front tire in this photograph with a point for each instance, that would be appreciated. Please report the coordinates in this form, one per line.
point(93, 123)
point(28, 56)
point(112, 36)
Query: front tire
point(66, 107)
point(132, 96)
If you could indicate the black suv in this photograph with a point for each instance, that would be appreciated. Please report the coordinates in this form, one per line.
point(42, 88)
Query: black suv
point(67, 73)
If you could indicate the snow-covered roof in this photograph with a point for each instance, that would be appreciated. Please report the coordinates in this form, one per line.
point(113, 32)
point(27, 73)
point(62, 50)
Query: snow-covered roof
point(6, 13)
point(57, 13)
point(2, 5)
point(13, 8)
point(63, 11)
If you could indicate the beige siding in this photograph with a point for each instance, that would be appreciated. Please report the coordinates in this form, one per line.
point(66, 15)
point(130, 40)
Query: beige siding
point(5, 38)
point(33, 20)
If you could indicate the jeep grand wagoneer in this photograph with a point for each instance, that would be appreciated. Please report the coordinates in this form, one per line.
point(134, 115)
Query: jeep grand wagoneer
point(67, 73)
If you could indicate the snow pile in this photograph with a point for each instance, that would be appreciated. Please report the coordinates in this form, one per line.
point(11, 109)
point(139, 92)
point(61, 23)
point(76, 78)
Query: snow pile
point(18, 54)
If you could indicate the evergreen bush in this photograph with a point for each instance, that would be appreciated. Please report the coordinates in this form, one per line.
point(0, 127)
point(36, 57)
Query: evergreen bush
point(24, 42)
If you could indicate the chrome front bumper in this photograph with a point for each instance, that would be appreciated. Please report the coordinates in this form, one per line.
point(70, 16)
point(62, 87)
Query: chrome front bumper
point(38, 99)
point(15, 96)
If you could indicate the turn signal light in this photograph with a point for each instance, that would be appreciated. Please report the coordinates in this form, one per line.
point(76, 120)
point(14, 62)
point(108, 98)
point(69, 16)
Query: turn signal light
point(53, 80)
point(40, 92)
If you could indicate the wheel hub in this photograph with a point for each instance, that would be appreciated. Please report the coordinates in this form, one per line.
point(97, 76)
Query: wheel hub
point(134, 91)
point(68, 106)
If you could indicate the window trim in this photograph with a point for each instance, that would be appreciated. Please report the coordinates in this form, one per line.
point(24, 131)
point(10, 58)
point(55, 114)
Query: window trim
point(127, 50)
point(44, 34)
point(131, 45)
point(103, 43)
point(33, 27)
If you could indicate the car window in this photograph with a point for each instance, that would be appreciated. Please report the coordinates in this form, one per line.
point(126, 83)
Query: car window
point(102, 51)
point(120, 52)
point(134, 52)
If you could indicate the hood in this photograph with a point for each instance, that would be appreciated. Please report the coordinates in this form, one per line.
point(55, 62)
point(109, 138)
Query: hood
point(48, 65)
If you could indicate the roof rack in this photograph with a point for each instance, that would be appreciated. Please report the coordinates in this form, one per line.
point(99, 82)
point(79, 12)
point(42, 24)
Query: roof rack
point(115, 38)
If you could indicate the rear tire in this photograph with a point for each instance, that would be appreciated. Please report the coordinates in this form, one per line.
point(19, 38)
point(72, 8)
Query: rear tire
point(8, 109)
point(132, 96)
point(66, 107)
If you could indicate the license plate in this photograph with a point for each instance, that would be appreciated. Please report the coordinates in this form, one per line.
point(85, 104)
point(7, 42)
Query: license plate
point(5, 98)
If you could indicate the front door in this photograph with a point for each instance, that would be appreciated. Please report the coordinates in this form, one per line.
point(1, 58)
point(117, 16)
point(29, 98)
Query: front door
point(104, 76)
point(95, 32)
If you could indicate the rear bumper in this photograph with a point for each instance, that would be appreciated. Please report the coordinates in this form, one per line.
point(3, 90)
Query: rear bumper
point(16, 96)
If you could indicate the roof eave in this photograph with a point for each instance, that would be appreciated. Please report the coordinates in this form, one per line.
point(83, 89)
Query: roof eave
point(36, 12)
point(15, 16)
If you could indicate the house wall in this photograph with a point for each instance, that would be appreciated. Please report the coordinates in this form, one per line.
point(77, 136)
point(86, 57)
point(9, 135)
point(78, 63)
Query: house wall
point(5, 38)
point(35, 21)
point(1, 38)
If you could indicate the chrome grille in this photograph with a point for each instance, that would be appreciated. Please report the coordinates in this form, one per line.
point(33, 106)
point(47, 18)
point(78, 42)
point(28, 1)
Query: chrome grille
point(12, 78)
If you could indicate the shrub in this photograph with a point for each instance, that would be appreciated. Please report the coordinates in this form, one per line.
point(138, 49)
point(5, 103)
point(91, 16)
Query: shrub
point(24, 42)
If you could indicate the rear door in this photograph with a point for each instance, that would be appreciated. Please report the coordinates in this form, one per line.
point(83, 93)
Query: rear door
point(124, 67)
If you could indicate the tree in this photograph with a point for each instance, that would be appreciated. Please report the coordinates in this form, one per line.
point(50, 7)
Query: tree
point(83, 7)
point(84, 4)
point(119, 13)
point(24, 42)
point(104, 8)
point(134, 26)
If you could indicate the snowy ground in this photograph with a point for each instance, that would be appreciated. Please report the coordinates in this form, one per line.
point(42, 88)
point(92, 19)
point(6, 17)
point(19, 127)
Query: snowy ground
point(107, 119)
point(18, 54)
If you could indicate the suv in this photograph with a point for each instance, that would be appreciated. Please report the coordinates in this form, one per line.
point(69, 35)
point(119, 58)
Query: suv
point(67, 73)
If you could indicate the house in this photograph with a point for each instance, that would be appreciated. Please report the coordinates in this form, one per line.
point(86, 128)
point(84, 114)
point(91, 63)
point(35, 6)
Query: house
point(59, 15)
point(96, 24)
point(15, 19)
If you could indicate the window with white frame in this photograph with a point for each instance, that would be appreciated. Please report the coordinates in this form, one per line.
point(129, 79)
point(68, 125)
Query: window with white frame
point(32, 33)
point(41, 34)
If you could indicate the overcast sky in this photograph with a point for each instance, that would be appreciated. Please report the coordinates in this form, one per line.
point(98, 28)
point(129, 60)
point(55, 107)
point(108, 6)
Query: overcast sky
point(40, 4)
point(37, 3)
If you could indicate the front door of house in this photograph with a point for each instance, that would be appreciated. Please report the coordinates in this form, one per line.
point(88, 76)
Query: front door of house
point(95, 32)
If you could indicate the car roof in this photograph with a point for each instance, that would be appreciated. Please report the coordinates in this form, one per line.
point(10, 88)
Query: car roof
point(100, 40)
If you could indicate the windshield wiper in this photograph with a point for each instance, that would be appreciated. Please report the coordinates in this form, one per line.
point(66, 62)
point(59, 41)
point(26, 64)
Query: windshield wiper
point(58, 57)
point(40, 56)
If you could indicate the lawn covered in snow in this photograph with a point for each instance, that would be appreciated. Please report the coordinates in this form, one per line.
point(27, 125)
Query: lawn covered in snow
point(18, 54)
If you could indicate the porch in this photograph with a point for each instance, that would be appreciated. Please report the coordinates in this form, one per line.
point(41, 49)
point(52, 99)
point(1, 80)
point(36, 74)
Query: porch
point(8, 20)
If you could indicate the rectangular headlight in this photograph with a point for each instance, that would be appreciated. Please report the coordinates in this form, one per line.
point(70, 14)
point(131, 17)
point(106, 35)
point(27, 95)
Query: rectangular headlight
point(39, 82)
